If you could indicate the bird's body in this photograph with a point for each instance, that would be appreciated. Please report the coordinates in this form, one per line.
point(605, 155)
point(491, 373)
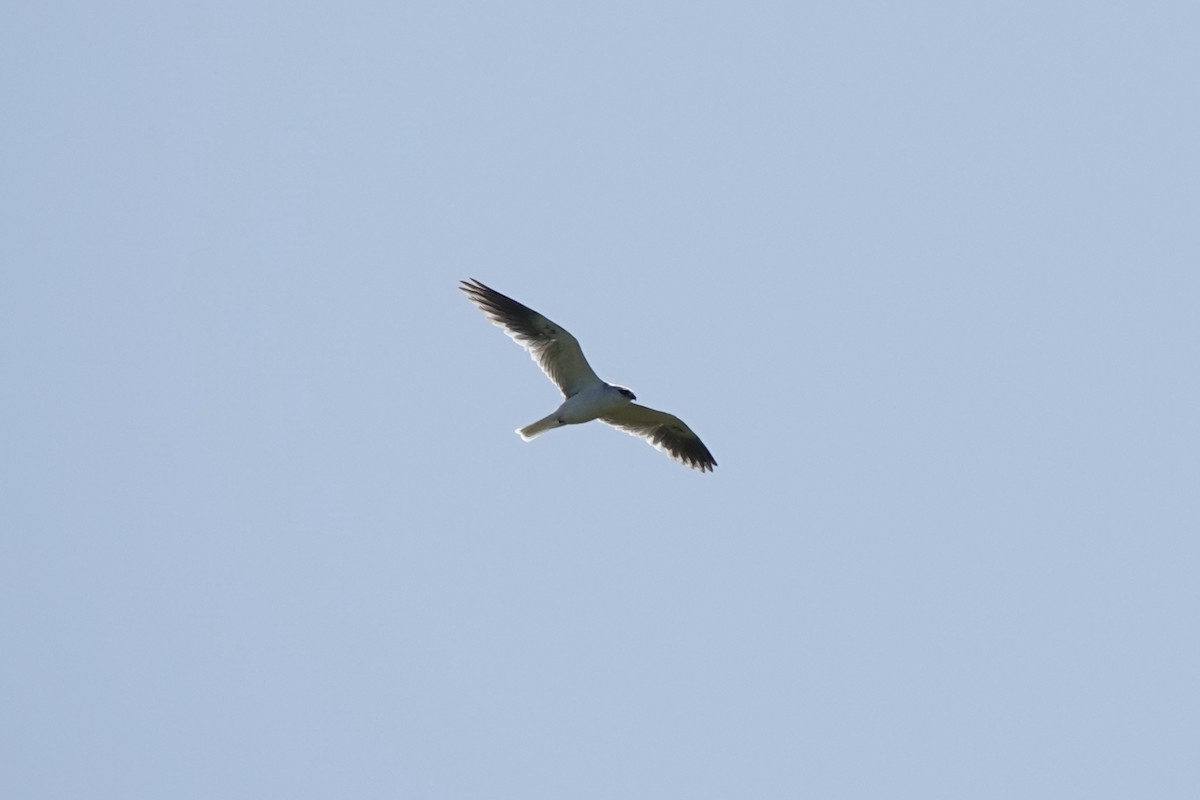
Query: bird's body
point(585, 405)
point(587, 397)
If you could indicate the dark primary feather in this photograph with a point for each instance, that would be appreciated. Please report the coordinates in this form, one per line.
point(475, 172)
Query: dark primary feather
point(517, 318)
point(686, 450)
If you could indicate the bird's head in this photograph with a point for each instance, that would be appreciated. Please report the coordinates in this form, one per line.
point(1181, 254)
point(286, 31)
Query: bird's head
point(626, 393)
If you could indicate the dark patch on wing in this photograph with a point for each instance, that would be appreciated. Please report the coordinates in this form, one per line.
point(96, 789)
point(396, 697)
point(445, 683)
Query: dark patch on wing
point(684, 445)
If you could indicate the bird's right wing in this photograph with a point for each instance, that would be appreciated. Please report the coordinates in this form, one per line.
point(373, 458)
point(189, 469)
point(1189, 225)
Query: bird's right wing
point(665, 431)
point(555, 350)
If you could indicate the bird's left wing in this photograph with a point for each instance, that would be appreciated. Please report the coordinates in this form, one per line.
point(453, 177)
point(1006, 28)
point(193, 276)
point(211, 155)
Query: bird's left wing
point(666, 432)
point(555, 350)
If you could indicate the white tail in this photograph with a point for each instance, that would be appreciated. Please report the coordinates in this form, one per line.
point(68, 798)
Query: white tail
point(537, 428)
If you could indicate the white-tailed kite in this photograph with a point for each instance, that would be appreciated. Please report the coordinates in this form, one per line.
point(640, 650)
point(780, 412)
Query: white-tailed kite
point(558, 353)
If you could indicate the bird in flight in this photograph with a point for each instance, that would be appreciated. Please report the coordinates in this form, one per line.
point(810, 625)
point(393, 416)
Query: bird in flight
point(558, 353)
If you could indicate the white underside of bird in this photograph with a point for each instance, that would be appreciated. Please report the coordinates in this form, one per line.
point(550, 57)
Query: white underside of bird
point(593, 402)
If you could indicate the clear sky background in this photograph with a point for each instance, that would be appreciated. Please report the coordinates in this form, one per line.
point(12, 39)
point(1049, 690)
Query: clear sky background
point(924, 276)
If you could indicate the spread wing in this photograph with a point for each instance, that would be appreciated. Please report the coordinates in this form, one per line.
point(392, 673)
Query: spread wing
point(666, 432)
point(555, 350)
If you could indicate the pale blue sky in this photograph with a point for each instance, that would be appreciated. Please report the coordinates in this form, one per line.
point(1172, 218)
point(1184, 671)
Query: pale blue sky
point(924, 277)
